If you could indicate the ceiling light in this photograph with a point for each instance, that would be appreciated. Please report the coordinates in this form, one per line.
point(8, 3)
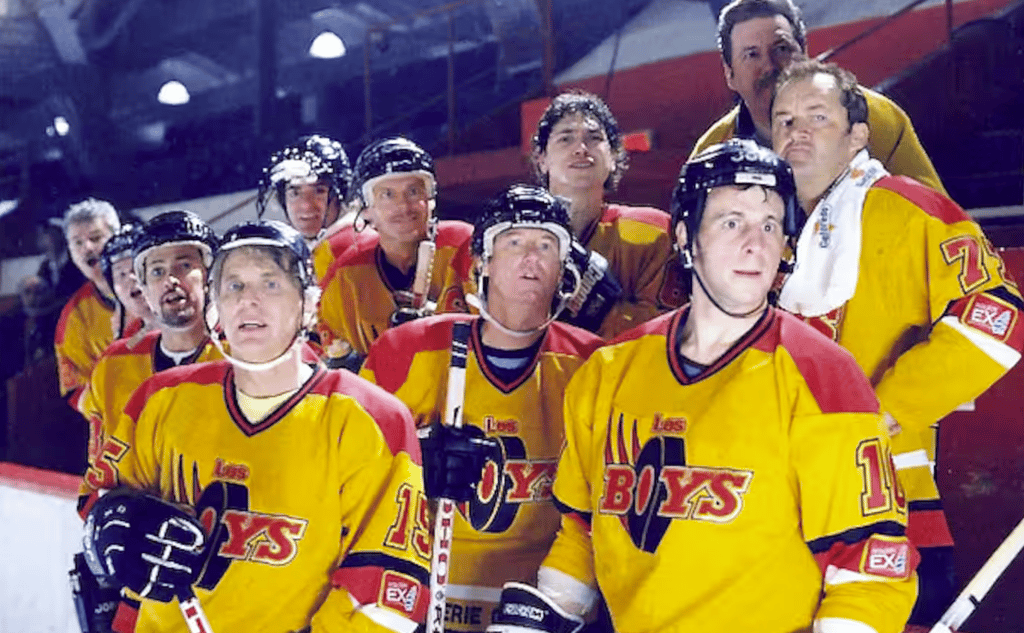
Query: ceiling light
point(61, 126)
point(327, 45)
point(173, 93)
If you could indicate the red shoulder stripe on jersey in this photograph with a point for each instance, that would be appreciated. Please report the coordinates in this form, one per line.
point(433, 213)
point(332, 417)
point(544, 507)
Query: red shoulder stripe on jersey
point(393, 418)
point(835, 380)
point(247, 427)
point(453, 233)
point(927, 199)
point(201, 374)
point(374, 578)
point(571, 341)
point(362, 253)
point(128, 347)
point(647, 215)
point(992, 315)
point(928, 528)
point(69, 308)
point(391, 355)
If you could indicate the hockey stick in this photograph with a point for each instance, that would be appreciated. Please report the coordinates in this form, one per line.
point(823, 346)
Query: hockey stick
point(444, 522)
point(424, 270)
point(193, 612)
point(976, 589)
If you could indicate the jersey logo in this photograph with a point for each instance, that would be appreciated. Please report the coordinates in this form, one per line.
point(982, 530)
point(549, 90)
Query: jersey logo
point(885, 556)
point(649, 486)
point(991, 316)
point(229, 471)
point(452, 300)
point(492, 425)
point(509, 480)
point(399, 592)
point(662, 424)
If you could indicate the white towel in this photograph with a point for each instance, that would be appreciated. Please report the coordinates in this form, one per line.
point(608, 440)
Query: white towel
point(828, 250)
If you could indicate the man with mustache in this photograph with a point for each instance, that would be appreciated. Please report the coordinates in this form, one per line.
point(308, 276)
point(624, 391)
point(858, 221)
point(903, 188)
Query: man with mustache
point(901, 277)
point(760, 38)
point(85, 329)
point(371, 287)
point(171, 256)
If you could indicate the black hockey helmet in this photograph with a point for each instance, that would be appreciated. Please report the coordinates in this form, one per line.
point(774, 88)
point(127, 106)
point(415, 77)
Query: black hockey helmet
point(310, 159)
point(734, 162)
point(275, 234)
point(121, 245)
point(522, 206)
point(174, 227)
point(396, 155)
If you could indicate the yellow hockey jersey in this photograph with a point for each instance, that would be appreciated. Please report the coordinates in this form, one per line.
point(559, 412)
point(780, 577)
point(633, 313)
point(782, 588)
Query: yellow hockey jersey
point(84, 330)
point(504, 532)
point(122, 368)
point(933, 322)
point(758, 495)
point(316, 511)
point(637, 244)
point(357, 301)
point(893, 139)
point(331, 248)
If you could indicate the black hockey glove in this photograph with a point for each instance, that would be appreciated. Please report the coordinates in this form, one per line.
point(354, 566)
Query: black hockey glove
point(405, 314)
point(599, 290)
point(523, 608)
point(96, 599)
point(144, 543)
point(453, 460)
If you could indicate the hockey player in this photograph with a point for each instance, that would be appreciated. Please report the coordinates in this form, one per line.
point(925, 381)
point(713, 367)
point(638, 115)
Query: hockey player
point(310, 179)
point(624, 253)
point(518, 364)
point(306, 481)
point(411, 266)
point(171, 254)
point(901, 277)
point(85, 326)
point(758, 39)
point(726, 443)
point(133, 314)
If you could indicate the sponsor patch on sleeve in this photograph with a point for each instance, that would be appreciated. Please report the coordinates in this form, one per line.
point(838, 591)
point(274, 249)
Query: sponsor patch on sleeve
point(399, 592)
point(988, 314)
point(886, 556)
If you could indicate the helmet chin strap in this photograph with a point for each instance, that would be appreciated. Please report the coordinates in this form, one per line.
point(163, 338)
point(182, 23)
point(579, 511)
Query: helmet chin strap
point(295, 346)
point(688, 258)
point(480, 303)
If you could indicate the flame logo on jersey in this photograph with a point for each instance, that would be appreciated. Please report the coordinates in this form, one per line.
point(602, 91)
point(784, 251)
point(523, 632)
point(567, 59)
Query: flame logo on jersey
point(648, 486)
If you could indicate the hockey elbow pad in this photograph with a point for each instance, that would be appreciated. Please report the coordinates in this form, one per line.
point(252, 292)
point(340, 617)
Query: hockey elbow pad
point(597, 293)
point(453, 460)
point(525, 609)
point(144, 543)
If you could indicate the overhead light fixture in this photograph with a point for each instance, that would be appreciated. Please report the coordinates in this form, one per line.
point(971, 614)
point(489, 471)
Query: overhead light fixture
point(327, 45)
point(61, 126)
point(173, 93)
